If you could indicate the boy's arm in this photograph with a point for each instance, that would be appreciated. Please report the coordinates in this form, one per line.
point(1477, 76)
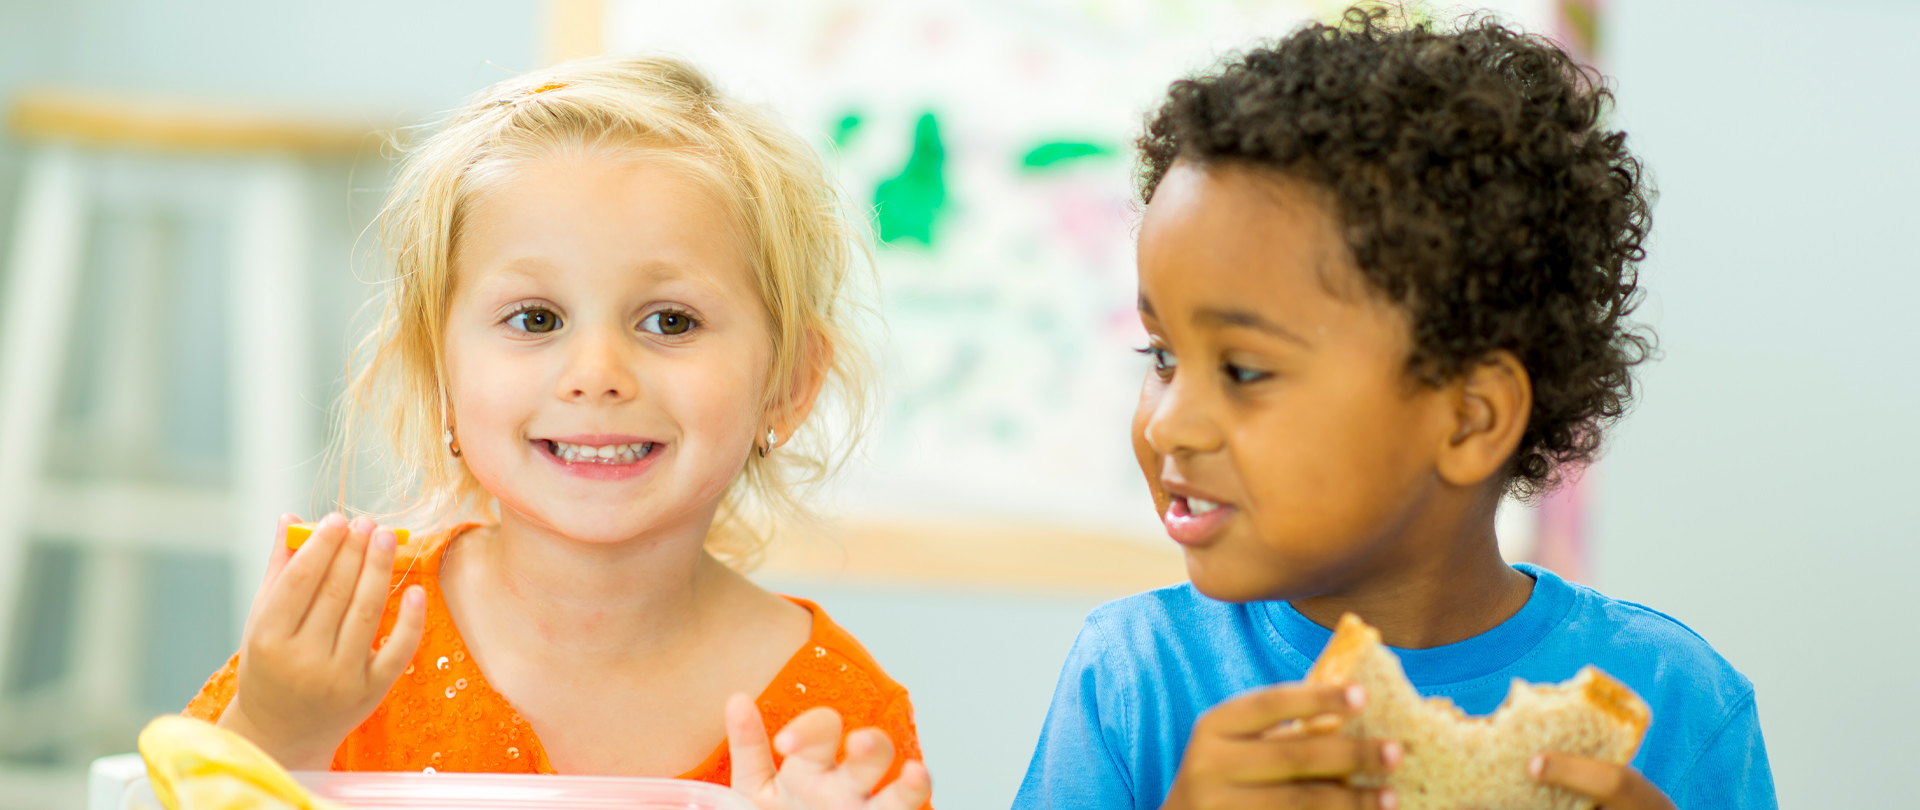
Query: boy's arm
point(1732, 769)
point(1074, 765)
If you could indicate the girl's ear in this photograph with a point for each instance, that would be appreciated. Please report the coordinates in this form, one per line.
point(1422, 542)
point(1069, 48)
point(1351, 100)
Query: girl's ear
point(803, 388)
point(1492, 402)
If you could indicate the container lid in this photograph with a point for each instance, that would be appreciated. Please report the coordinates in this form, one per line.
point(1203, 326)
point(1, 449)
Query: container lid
point(493, 791)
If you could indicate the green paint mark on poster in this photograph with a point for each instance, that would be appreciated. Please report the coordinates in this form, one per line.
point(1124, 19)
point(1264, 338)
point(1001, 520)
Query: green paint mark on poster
point(906, 206)
point(1054, 153)
point(846, 128)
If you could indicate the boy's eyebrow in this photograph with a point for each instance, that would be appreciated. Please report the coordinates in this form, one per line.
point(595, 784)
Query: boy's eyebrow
point(1249, 320)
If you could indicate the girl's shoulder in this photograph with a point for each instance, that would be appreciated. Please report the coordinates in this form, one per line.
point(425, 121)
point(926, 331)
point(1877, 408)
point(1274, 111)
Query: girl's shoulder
point(832, 668)
point(418, 562)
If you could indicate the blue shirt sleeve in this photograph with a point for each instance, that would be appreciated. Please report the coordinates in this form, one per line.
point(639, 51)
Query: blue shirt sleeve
point(1731, 772)
point(1077, 763)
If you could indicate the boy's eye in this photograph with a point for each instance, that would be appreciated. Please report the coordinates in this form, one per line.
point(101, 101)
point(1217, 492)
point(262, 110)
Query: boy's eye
point(1243, 375)
point(1163, 360)
point(535, 320)
point(667, 323)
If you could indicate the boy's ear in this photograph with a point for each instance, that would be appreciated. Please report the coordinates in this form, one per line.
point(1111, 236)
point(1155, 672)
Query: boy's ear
point(1492, 402)
point(803, 388)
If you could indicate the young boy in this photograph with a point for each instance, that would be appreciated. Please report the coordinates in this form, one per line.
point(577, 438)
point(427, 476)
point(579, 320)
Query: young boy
point(1385, 273)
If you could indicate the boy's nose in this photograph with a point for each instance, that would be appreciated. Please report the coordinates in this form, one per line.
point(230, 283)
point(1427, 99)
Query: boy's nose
point(1180, 424)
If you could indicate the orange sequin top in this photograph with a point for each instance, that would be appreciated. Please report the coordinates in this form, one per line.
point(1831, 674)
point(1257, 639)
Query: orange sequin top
point(442, 716)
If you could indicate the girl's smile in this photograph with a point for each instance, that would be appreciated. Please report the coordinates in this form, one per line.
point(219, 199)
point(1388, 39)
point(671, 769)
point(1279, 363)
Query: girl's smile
point(601, 457)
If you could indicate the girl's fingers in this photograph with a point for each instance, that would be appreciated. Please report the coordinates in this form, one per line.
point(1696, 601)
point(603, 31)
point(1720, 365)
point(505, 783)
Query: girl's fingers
point(1257, 711)
point(369, 598)
point(812, 738)
point(869, 756)
point(322, 623)
point(390, 661)
point(292, 592)
point(909, 792)
point(276, 561)
point(747, 745)
point(1615, 787)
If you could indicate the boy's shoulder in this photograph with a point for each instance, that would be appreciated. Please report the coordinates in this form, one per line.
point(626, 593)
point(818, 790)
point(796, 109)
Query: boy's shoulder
point(1645, 647)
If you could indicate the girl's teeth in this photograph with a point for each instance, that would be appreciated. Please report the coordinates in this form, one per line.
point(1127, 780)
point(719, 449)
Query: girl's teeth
point(1196, 506)
point(620, 453)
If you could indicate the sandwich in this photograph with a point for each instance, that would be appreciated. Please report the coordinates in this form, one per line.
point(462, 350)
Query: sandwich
point(1457, 762)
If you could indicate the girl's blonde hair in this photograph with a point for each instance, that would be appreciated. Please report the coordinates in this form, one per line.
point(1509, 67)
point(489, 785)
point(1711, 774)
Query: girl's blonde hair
point(801, 246)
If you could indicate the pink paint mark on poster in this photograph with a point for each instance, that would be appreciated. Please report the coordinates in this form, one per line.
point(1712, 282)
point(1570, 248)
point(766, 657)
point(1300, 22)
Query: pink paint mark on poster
point(1561, 542)
point(1577, 26)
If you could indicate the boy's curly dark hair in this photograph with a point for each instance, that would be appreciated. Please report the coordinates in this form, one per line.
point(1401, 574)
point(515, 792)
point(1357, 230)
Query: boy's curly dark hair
point(1473, 185)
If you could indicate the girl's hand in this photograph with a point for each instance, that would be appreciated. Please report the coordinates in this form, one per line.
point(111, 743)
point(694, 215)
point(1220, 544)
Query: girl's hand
point(809, 779)
point(1615, 787)
point(1236, 758)
point(308, 673)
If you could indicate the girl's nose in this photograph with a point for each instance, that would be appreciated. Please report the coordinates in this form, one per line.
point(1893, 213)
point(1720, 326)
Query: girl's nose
point(597, 371)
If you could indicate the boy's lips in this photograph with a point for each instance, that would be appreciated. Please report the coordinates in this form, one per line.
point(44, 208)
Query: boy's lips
point(1191, 527)
point(600, 456)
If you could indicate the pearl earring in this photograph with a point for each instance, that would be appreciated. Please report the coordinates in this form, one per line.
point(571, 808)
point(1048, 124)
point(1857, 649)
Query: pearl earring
point(446, 438)
point(772, 439)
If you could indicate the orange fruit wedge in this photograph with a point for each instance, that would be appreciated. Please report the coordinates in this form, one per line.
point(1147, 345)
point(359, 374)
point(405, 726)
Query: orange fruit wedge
point(298, 533)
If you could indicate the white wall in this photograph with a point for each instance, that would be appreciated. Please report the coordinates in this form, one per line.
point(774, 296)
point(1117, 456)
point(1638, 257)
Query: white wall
point(1763, 490)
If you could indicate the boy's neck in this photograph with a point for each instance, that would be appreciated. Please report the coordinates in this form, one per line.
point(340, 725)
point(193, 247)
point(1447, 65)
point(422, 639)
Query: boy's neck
point(1444, 582)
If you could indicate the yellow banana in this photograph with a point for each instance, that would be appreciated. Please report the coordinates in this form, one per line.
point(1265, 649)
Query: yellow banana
point(195, 765)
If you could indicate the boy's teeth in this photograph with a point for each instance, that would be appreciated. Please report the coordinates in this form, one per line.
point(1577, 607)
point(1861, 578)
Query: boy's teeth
point(577, 453)
point(1197, 506)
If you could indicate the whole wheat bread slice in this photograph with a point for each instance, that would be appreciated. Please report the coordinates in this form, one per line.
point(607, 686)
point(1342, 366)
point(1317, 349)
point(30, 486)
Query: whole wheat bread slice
point(1454, 761)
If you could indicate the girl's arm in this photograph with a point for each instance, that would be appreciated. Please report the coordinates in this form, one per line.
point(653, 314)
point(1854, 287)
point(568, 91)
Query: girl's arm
point(809, 779)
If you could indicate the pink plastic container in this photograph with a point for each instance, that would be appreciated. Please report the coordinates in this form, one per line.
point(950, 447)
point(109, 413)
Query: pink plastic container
point(496, 791)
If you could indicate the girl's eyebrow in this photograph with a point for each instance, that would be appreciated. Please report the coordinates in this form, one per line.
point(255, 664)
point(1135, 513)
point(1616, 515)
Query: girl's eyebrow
point(1248, 320)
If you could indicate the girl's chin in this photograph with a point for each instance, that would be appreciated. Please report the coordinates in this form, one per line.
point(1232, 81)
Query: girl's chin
point(612, 530)
point(597, 520)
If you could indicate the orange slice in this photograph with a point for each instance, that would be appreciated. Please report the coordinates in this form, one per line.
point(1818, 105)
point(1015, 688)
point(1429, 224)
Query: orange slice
point(298, 533)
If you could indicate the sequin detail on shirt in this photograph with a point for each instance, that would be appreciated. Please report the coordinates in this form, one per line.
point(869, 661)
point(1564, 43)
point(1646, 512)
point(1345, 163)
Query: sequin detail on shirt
point(443, 716)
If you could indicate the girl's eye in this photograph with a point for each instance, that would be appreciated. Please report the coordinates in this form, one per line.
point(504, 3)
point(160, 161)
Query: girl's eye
point(1163, 361)
point(536, 320)
point(668, 322)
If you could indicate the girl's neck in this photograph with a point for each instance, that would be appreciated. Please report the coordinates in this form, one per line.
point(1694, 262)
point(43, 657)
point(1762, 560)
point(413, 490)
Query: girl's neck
point(1441, 581)
point(593, 602)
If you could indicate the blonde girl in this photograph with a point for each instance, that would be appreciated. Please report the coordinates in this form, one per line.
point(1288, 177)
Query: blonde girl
point(616, 298)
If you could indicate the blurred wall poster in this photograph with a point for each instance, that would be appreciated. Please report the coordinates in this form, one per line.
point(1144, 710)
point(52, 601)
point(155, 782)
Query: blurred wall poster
point(992, 142)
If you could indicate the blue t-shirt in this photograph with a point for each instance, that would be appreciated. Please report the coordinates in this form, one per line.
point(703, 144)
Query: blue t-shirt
point(1147, 666)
